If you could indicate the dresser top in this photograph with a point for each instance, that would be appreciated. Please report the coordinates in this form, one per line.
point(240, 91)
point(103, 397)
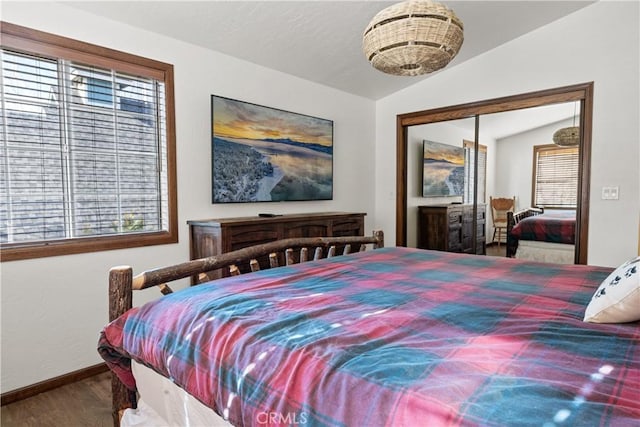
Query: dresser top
point(216, 222)
point(450, 205)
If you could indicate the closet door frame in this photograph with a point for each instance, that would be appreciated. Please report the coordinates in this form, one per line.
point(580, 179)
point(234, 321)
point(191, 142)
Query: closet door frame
point(582, 93)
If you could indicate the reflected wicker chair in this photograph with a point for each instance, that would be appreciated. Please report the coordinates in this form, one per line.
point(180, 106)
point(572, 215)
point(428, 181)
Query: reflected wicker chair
point(499, 208)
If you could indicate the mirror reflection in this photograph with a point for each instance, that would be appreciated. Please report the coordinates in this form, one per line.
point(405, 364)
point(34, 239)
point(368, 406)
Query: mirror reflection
point(525, 200)
point(542, 177)
point(438, 168)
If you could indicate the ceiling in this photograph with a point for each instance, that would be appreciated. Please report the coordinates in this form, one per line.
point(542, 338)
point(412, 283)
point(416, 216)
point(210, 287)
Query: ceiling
point(320, 41)
point(510, 123)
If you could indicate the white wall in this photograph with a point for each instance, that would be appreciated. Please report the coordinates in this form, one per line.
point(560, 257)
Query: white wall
point(514, 162)
point(599, 43)
point(53, 308)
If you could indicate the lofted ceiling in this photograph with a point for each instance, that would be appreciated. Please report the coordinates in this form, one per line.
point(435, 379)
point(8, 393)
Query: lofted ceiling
point(509, 123)
point(320, 41)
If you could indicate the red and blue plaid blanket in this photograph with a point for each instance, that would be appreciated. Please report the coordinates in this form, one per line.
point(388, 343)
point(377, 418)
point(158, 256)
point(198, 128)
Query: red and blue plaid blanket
point(391, 337)
point(551, 226)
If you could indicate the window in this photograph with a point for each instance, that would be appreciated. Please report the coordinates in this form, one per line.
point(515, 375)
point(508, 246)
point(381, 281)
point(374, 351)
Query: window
point(469, 173)
point(87, 148)
point(555, 173)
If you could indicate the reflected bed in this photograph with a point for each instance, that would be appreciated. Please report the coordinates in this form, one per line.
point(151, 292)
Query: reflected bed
point(545, 236)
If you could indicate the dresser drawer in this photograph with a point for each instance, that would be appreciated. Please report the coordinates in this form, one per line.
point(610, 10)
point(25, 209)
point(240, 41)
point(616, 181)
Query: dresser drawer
point(455, 216)
point(481, 214)
point(241, 237)
point(305, 229)
point(348, 227)
point(451, 228)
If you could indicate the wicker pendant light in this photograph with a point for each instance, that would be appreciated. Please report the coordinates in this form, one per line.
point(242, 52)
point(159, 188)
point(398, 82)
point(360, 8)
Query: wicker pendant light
point(569, 136)
point(412, 38)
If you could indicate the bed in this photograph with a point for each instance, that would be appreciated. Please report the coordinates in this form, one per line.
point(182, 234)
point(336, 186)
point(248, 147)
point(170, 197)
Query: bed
point(386, 337)
point(538, 235)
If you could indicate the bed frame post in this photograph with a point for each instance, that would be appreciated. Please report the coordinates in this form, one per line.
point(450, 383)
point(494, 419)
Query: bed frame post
point(120, 300)
point(379, 235)
point(511, 244)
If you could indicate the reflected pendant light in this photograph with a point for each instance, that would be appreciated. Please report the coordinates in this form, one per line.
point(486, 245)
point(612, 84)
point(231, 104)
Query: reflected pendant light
point(569, 136)
point(412, 38)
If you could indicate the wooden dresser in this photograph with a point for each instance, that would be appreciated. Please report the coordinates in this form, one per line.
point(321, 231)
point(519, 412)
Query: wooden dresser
point(216, 236)
point(450, 228)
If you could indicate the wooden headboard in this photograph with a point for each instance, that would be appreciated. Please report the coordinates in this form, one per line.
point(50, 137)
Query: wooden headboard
point(512, 220)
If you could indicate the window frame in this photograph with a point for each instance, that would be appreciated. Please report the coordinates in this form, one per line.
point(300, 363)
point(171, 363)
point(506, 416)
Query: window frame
point(534, 174)
point(47, 45)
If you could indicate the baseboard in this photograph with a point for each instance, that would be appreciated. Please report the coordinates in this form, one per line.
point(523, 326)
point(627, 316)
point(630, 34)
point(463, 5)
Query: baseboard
point(46, 385)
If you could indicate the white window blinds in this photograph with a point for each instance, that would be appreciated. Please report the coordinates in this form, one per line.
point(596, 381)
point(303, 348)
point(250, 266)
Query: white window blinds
point(83, 151)
point(555, 176)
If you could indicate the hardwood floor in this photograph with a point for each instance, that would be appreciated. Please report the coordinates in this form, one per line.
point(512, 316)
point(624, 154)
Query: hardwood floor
point(84, 403)
point(494, 250)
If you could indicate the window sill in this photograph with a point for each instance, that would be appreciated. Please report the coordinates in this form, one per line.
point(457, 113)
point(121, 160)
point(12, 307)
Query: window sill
point(31, 250)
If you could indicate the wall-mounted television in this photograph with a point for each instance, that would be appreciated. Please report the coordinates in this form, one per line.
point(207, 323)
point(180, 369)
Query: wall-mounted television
point(263, 154)
point(442, 170)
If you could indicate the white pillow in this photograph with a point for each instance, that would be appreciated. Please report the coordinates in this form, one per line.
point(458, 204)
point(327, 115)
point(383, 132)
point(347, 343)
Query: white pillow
point(617, 299)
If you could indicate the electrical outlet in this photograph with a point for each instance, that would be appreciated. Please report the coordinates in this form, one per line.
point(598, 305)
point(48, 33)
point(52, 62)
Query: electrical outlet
point(610, 193)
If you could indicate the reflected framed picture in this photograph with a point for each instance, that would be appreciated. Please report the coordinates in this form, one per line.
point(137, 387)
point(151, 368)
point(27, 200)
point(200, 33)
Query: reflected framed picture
point(442, 170)
point(263, 154)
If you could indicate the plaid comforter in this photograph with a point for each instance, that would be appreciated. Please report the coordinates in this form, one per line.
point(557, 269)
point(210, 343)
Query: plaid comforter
point(554, 227)
point(391, 337)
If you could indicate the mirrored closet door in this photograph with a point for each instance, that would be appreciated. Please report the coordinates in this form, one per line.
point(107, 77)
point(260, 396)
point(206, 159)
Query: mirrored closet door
point(530, 174)
point(453, 162)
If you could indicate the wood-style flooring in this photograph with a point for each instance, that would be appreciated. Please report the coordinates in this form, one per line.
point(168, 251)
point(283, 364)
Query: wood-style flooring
point(86, 403)
point(494, 250)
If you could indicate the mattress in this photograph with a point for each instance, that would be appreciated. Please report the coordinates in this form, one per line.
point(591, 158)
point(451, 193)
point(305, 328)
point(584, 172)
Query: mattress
point(557, 253)
point(163, 403)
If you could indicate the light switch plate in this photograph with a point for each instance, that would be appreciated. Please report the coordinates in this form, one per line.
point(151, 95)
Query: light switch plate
point(610, 193)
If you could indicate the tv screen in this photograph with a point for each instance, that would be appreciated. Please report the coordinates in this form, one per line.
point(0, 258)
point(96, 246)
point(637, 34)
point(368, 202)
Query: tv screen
point(263, 154)
point(442, 170)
